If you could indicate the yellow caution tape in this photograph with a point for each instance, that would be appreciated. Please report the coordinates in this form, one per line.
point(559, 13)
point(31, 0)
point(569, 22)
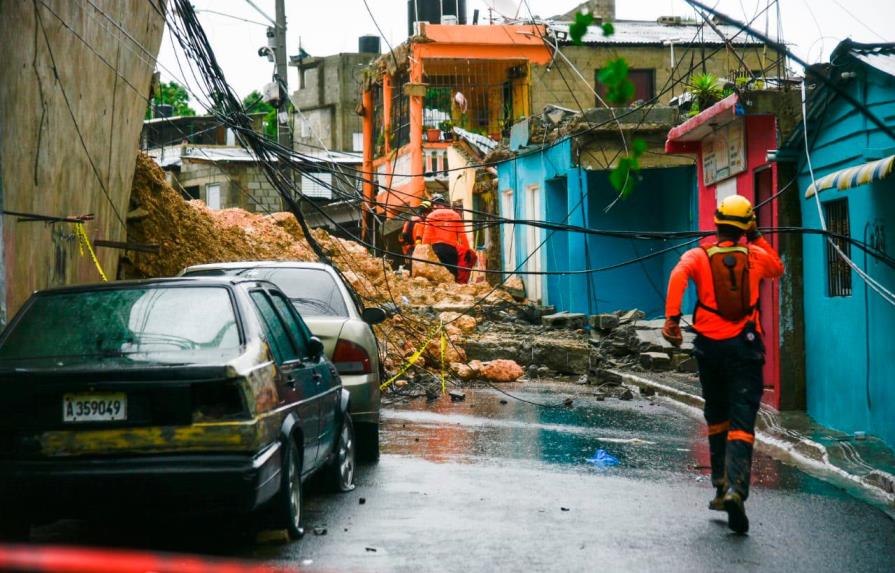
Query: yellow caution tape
point(412, 360)
point(84, 243)
point(443, 348)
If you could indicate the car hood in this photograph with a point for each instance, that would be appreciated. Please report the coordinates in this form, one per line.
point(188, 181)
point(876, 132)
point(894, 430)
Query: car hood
point(327, 329)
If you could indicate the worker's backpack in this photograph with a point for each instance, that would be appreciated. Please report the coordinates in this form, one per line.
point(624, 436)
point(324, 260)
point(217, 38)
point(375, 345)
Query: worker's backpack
point(730, 279)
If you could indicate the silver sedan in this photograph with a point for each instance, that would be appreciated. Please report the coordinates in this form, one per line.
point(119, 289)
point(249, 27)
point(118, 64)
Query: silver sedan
point(336, 316)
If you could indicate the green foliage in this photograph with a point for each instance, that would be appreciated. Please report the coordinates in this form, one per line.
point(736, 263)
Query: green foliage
point(578, 28)
point(619, 89)
point(175, 95)
point(706, 89)
point(624, 176)
point(608, 29)
point(254, 103)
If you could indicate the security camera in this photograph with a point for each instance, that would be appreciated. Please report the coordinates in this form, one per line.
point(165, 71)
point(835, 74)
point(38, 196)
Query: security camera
point(266, 52)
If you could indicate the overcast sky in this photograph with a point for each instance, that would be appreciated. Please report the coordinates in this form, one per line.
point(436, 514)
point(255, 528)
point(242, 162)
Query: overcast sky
point(811, 27)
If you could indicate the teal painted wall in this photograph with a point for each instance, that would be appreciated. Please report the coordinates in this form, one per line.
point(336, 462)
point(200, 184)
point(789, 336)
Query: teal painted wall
point(664, 200)
point(850, 347)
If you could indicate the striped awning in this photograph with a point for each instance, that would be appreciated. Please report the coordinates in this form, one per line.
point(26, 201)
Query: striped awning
point(853, 176)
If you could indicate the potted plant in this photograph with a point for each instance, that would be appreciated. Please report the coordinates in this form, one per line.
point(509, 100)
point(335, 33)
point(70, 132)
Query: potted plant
point(433, 134)
point(447, 129)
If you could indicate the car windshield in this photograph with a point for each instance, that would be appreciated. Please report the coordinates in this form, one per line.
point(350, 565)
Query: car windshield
point(314, 292)
point(170, 325)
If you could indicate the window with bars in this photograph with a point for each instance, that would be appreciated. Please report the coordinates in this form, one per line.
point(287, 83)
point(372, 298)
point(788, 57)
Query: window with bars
point(482, 96)
point(644, 85)
point(838, 271)
point(400, 118)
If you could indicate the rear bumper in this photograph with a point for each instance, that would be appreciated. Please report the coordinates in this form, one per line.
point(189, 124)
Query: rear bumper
point(365, 397)
point(190, 483)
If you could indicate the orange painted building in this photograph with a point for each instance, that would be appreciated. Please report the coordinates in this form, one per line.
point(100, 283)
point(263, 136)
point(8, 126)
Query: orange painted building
point(472, 77)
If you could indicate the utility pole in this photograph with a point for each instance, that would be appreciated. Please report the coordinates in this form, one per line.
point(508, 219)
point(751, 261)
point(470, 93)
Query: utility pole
point(281, 75)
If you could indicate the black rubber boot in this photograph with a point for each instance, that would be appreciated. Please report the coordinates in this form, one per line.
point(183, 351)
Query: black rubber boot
point(717, 503)
point(736, 512)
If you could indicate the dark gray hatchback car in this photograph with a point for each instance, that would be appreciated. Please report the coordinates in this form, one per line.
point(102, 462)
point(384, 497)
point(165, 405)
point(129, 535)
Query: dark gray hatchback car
point(188, 395)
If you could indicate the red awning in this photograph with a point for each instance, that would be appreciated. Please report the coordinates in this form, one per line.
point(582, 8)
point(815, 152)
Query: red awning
point(682, 139)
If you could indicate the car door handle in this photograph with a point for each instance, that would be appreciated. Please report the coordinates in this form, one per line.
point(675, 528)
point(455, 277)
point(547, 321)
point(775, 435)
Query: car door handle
point(290, 381)
point(317, 377)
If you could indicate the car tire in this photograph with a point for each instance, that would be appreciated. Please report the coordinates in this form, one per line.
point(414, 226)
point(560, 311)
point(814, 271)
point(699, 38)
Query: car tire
point(367, 442)
point(289, 503)
point(342, 466)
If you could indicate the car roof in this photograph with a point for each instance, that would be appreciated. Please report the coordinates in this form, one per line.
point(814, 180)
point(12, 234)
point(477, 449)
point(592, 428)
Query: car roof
point(261, 264)
point(170, 281)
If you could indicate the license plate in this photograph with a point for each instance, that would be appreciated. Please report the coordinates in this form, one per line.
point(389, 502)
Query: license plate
point(94, 407)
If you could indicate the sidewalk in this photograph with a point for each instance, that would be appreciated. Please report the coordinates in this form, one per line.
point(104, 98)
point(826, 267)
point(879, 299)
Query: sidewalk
point(862, 466)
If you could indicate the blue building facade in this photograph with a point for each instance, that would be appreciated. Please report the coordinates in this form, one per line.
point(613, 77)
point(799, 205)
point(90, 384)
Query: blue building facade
point(546, 185)
point(849, 339)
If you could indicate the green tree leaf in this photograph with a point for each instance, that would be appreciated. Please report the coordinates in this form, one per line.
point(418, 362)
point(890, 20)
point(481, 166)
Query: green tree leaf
point(578, 28)
point(608, 29)
point(638, 147)
point(175, 95)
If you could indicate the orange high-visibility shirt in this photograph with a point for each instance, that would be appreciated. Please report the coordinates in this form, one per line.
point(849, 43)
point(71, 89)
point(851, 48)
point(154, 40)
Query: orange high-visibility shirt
point(445, 226)
point(764, 263)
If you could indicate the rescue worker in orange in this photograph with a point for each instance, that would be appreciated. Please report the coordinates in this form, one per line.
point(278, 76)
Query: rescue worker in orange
point(412, 232)
point(445, 231)
point(728, 347)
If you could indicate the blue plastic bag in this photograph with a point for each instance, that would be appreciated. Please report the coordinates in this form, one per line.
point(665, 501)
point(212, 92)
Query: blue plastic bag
point(603, 459)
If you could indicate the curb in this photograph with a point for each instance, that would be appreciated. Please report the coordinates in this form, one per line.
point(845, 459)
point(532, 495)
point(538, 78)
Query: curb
point(808, 455)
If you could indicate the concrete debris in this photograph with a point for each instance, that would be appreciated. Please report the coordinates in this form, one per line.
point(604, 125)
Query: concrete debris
point(457, 396)
point(688, 365)
point(655, 360)
point(626, 317)
point(604, 322)
point(515, 287)
point(566, 320)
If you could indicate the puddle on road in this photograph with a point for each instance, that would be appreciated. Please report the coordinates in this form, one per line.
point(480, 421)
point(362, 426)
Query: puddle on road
point(650, 440)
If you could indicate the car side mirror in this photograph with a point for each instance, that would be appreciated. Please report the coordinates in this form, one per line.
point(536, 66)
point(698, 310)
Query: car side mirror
point(315, 347)
point(373, 315)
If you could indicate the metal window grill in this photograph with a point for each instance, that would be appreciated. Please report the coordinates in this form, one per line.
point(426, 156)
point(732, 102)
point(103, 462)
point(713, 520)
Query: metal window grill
point(400, 119)
point(838, 271)
point(482, 96)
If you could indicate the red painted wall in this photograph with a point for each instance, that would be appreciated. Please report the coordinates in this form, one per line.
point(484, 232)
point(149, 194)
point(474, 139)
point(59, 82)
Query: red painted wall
point(761, 136)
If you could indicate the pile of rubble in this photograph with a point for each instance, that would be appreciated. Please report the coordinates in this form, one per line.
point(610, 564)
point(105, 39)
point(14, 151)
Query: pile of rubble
point(575, 344)
point(189, 233)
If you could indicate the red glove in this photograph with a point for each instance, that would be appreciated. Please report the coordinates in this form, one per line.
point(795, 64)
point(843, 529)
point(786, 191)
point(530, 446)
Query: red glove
point(672, 331)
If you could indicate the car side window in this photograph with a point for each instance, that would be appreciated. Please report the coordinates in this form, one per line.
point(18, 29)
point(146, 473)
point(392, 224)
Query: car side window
point(292, 320)
point(277, 334)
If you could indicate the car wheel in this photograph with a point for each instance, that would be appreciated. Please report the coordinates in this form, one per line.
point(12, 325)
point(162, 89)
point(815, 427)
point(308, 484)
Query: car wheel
point(341, 469)
point(289, 502)
point(368, 442)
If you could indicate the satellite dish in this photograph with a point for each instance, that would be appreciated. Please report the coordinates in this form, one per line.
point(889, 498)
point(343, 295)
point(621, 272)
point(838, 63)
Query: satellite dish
point(506, 8)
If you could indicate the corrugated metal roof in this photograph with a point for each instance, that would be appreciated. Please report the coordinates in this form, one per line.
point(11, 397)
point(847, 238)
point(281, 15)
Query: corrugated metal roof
point(881, 57)
point(172, 156)
point(482, 142)
point(648, 32)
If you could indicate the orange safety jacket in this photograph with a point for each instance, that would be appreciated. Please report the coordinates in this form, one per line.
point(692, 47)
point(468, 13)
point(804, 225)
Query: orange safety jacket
point(445, 226)
point(764, 263)
point(409, 234)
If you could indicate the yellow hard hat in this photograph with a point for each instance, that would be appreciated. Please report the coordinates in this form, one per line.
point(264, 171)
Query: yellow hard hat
point(735, 211)
point(425, 204)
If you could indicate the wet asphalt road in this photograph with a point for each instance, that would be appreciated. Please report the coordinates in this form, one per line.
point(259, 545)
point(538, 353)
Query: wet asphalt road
point(483, 485)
